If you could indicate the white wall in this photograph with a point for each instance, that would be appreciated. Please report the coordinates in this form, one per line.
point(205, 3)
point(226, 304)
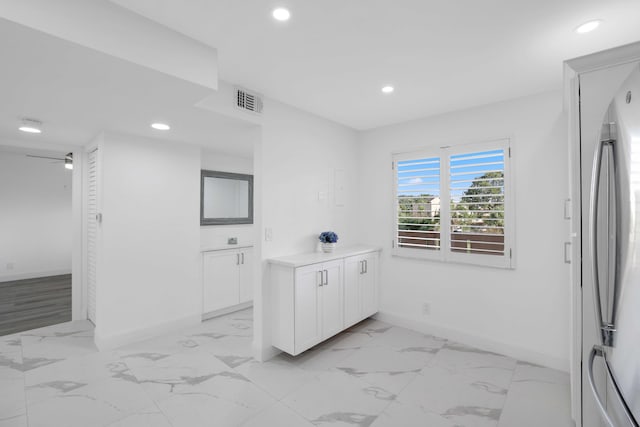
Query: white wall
point(295, 161)
point(299, 154)
point(149, 238)
point(522, 312)
point(216, 236)
point(35, 217)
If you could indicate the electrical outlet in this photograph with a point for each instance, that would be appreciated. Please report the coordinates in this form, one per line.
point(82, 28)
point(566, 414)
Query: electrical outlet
point(426, 309)
point(268, 234)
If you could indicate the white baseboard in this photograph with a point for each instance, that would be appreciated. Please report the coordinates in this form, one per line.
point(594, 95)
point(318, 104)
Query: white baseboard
point(32, 275)
point(223, 311)
point(118, 340)
point(482, 343)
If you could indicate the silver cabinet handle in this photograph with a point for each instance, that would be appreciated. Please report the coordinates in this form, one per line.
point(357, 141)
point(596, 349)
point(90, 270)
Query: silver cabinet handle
point(366, 266)
point(361, 267)
point(243, 258)
point(237, 259)
point(567, 253)
point(326, 277)
point(321, 277)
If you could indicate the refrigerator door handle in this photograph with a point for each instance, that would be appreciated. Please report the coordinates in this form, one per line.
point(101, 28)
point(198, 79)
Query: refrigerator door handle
point(606, 329)
point(598, 351)
point(610, 326)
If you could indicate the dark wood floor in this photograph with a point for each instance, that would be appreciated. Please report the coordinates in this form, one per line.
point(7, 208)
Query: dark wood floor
point(34, 303)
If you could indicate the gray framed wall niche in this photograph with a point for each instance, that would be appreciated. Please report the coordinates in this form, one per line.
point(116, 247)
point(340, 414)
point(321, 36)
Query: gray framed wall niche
point(225, 198)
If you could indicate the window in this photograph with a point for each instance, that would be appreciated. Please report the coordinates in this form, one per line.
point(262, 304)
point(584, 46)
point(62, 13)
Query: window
point(453, 204)
point(418, 199)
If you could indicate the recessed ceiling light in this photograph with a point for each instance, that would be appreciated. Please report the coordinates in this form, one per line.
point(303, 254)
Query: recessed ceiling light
point(588, 26)
point(29, 129)
point(387, 89)
point(281, 14)
point(161, 126)
point(30, 126)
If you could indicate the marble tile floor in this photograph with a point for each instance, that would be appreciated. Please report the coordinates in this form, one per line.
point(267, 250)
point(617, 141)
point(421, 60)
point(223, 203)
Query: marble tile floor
point(374, 374)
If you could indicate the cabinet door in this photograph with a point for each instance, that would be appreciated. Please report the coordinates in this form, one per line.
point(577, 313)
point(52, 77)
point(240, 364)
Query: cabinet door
point(246, 275)
point(369, 286)
point(220, 280)
point(332, 299)
point(353, 269)
point(307, 307)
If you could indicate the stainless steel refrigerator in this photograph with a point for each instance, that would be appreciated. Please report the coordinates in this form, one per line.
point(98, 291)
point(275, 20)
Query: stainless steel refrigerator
point(610, 190)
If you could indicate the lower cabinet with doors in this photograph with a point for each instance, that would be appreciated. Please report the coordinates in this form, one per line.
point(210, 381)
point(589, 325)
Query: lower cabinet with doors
point(315, 296)
point(227, 278)
point(361, 294)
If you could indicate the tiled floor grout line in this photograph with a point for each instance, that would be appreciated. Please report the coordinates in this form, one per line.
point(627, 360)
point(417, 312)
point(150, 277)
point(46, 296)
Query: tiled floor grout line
point(410, 382)
point(335, 371)
point(24, 381)
point(144, 390)
point(506, 396)
point(293, 409)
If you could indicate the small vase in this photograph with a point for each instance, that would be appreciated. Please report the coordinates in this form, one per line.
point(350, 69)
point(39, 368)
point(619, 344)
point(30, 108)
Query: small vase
point(328, 247)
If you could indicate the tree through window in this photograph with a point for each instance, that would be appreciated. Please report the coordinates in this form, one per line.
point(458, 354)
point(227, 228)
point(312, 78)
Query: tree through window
point(452, 204)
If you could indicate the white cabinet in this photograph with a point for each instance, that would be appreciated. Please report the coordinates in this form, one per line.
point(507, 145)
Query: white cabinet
point(318, 303)
point(227, 278)
point(360, 287)
point(246, 275)
point(332, 301)
point(310, 294)
point(306, 315)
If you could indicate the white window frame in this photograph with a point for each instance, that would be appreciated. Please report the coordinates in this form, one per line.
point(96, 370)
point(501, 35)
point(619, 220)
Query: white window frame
point(444, 254)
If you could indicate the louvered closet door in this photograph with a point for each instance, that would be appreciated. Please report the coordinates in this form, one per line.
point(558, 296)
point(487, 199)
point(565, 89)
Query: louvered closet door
point(92, 231)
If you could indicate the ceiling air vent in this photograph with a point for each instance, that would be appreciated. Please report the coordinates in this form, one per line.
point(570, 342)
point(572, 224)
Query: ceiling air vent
point(248, 101)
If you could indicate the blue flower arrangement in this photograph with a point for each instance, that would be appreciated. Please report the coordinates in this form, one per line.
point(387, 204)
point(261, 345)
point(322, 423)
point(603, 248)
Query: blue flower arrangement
point(328, 237)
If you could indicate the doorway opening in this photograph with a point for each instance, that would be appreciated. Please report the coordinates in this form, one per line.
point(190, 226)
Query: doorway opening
point(36, 244)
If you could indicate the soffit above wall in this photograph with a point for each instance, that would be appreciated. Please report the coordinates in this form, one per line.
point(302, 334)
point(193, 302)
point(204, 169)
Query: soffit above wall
point(113, 30)
point(78, 92)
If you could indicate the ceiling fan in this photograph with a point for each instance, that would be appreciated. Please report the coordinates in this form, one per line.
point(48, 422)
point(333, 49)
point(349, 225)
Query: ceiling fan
point(67, 159)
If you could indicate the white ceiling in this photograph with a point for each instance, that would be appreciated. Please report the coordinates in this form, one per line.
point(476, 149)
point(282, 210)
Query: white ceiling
point(333, 56)
point(78, 93)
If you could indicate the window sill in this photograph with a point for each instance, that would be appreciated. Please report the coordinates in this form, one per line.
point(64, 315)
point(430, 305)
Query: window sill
point(475, 260)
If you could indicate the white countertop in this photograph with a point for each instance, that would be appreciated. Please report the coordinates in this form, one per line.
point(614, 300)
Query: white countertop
point(299, 260)
point(223, 247)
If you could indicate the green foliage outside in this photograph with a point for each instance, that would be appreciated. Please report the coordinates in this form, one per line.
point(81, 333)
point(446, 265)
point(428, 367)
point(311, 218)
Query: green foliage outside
point(480, 209)
point(416, 206)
